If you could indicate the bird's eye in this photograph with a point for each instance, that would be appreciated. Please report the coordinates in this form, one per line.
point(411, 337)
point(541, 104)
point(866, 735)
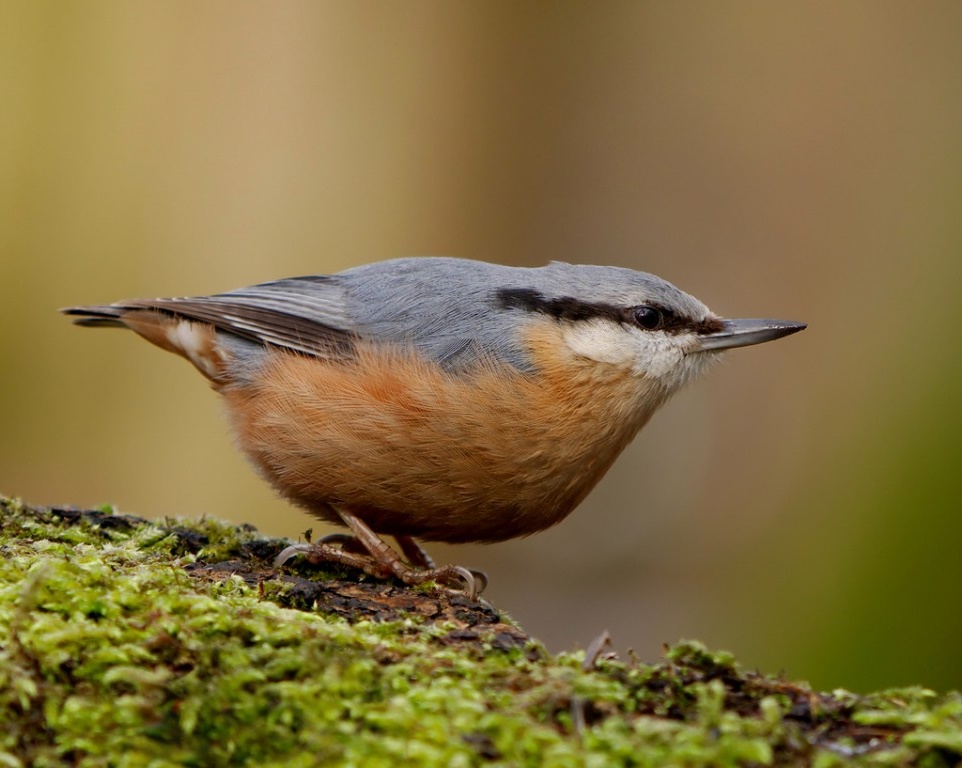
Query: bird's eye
point(649, 318)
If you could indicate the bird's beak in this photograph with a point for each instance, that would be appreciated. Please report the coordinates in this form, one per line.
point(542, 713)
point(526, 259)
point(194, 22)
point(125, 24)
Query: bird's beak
point(743, 333)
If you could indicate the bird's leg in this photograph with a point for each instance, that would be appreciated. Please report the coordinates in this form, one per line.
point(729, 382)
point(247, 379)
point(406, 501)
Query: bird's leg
point(417, 557)
point(340, 548)
point(414, 553)
point(322, 552)
point(365, 550)
point(347, 542)
point(409, 574)
point(411, 550)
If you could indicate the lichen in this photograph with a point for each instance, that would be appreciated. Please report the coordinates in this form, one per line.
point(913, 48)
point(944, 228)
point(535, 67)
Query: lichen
point(130, 643)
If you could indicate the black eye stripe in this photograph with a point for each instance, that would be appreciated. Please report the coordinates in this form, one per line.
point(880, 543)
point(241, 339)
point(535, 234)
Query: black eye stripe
point(563, 308)
point(576, 310)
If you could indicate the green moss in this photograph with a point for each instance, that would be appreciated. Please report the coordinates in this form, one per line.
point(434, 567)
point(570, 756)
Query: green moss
point(125, 643)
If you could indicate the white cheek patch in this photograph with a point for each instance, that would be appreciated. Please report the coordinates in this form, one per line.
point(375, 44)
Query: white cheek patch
point(196, 343)
point(659, 354)
point(602, 341)
point(654, 354)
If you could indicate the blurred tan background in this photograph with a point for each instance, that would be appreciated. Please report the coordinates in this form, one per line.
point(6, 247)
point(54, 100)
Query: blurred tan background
point(801, 506)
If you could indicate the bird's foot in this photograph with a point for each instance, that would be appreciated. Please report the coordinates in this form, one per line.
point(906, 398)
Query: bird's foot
point(366, 551)
point(323, 552)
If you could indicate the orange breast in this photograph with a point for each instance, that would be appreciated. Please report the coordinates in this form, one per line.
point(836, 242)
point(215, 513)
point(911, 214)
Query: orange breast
point(411, 449)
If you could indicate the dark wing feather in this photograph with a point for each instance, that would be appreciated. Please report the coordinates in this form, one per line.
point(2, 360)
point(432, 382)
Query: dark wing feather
point(303, 314)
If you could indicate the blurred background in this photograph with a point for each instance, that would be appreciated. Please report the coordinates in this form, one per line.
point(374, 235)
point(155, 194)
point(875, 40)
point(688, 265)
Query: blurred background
point(800, 506)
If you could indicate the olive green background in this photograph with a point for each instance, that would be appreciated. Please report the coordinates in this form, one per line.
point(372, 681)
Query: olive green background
point(801, 506)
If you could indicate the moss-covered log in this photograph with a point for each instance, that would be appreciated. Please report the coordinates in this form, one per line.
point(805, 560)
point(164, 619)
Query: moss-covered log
point(127, 643)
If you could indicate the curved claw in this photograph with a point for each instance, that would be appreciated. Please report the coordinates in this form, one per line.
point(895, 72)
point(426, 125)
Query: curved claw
point(470, 585)
point(480, 578)
point(288, 552)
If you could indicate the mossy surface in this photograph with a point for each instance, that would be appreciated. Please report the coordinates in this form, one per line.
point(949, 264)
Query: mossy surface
point(127, 643)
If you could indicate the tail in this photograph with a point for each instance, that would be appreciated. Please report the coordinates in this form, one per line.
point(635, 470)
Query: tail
point(96, 317)
point(196, 341)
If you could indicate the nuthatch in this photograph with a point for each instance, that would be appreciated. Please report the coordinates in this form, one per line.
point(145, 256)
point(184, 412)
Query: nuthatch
point(443, 399)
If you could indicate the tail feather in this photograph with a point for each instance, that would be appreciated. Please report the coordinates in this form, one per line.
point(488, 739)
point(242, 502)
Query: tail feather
point(97, 317)
point(196, 341)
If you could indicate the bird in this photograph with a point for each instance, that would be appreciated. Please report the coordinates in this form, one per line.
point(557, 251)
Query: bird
point(435, 398)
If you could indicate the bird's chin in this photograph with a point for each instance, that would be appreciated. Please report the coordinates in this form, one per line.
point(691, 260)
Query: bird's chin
point(689, 368)
point(704, 360)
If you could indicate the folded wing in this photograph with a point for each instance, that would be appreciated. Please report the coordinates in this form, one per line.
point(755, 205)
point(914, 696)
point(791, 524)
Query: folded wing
point(303, 314)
